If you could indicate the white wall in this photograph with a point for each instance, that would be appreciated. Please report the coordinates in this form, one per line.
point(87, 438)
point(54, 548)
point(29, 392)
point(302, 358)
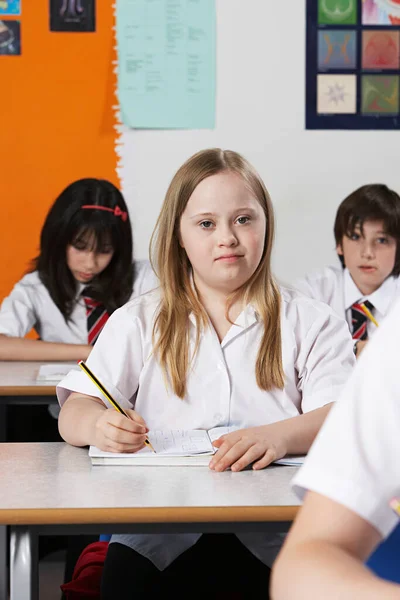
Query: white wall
point(260, 113)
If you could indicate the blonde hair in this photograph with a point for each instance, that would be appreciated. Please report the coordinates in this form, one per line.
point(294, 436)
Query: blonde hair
point(178, 296)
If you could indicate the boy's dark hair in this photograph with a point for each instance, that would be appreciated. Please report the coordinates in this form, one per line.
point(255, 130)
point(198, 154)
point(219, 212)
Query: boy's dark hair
point(373, 202)
point(67, 223)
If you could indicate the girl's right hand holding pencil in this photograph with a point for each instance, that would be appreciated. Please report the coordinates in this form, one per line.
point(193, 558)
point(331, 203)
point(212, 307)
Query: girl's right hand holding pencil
point(115, 433)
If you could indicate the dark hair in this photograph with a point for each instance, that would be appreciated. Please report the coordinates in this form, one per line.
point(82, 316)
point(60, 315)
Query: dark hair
point(67, 223)
point(373, 202)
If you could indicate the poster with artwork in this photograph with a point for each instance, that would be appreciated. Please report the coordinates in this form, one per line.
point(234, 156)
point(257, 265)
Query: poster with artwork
point(72, 15)
point(10, 8)
point(353, 64)
point(10, 38)
point(381, 12)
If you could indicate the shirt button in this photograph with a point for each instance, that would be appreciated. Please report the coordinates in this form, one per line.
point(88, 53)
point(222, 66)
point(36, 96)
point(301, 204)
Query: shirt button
point(220, 366)
point(218, 417)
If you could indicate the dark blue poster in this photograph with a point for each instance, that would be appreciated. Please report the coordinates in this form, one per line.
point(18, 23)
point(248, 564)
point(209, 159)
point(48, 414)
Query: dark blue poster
point(353, 64)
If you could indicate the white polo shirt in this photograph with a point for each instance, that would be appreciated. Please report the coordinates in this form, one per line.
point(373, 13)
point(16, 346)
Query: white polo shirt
point(355, 457)
point(317, 354)
point(335, 286)
point(30, 305)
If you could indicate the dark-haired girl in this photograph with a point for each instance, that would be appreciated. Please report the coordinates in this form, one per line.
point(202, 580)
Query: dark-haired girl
point(83, 273)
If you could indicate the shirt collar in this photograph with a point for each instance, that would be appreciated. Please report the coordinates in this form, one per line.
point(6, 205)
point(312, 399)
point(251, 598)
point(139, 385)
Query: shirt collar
point(79, 289)
point(380, 299)
point(247, 317)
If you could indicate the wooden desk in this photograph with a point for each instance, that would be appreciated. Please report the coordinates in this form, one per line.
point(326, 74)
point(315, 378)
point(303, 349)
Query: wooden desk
point(18, 385)
point(19, 379)
point(51, 488)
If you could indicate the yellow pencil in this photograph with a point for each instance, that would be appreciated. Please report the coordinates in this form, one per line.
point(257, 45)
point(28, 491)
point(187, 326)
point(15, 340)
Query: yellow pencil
point(395, 504)
point(107, 394)
point(369, 314)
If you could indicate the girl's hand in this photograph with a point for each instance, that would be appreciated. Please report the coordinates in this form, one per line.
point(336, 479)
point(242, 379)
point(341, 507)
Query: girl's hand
point(258, 445)
point(115, 433)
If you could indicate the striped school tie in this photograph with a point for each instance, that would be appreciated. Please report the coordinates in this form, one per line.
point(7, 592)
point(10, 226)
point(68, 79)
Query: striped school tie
point(96, 316)
point(359, 320)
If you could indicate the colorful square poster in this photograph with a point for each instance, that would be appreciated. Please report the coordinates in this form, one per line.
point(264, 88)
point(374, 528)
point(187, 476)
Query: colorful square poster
point(10, 7)
point(352, 64)
point(336, 49)
point(337, 12)
point(380, 49)
point(381, 12)
point(380, 94)
point(336, 94)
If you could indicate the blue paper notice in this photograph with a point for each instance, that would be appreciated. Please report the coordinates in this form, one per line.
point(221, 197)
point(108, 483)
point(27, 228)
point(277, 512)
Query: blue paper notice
point(166, 63)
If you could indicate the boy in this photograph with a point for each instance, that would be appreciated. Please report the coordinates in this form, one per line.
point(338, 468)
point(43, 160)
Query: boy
point(351, 475)
point(367, 234)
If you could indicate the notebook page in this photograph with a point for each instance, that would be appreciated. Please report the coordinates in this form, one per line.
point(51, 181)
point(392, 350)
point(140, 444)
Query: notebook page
point(180, 442)
point(290, 461)
point(172, 442)
point(216, 432)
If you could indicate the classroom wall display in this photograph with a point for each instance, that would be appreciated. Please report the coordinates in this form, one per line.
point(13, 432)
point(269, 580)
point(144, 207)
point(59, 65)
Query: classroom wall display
point(10, 38)
point(72, 15)
point(57, 125)
point(353, 64)
point(10, 7)
point(167, 63)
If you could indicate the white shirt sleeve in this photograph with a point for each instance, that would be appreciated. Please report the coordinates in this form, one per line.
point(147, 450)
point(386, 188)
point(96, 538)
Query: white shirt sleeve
point(325, 358)
point(118, 370)
point(355, 458)
point(145, 278)
point(305, 286)
point(325, 285)
point(17, 314)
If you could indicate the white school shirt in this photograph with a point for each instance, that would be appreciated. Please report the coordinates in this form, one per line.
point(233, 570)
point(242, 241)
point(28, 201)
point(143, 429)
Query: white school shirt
point(30, 305)
point(317, 354)
point(335, 286)
point(355, 457)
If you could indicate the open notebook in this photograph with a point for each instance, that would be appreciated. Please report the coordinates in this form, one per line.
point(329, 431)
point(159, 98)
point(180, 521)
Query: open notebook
point(174, 447)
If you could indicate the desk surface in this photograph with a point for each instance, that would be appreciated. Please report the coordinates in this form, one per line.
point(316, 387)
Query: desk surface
point(49, 483)
point(18, 378)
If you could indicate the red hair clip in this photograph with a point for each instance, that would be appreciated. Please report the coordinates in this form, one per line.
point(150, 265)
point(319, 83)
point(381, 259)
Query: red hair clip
point(116, 211)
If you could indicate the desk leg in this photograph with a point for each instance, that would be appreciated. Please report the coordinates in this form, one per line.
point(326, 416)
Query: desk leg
point(3, 564)
point(24, 572)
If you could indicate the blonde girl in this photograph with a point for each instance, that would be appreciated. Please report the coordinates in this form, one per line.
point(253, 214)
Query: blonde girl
point(219, 344)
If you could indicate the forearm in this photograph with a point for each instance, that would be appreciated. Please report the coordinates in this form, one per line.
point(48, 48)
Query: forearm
point(322, 570)
point(12, 348)
point(299, 432)
point(78, 418)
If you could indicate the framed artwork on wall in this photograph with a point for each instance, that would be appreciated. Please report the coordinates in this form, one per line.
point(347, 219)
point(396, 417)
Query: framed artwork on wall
point(353, 64)
point(72, 15)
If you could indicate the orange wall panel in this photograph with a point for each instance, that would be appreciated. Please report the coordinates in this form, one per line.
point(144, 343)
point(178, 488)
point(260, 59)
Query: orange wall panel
point(56, 125)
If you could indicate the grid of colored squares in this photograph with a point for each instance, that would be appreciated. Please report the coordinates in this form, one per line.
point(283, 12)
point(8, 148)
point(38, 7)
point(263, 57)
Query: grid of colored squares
point(362, 61)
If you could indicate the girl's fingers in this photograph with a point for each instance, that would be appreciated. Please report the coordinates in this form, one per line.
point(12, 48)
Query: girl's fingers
point(265, 460)
point(122, 436)
point(227, 455)
point(136, 417)
point(218, 442)
point(121, 422)
point(257, 456)
point(114, 446)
